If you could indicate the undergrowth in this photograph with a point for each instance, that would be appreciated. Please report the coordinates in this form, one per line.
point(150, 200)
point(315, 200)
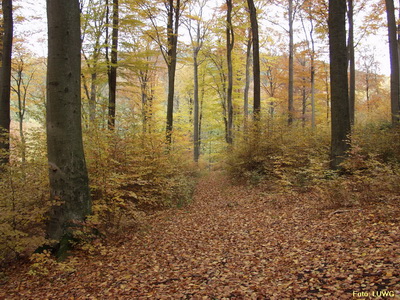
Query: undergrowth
point(130, 175)
point(288, 160)
point(134, 173)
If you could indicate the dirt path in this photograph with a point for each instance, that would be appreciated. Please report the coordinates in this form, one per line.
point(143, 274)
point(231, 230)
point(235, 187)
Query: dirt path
point(235, 243)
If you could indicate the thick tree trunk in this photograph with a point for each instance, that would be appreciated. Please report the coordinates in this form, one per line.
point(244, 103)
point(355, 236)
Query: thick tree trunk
point(340, 112)
point(229, 49)
point(352, 65)
point(394, 63)
point(67, 167)
point(291, 67)
point(112, 71)
point(5, 80)
point(256, 61)
point(172, 41)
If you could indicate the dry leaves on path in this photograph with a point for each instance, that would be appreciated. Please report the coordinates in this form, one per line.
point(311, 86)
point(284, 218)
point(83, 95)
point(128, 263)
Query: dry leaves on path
point(234, 242)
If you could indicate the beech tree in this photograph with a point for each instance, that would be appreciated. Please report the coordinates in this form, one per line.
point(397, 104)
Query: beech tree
point(308, 9)
point(247, 77)
point(21, 84)
point(67, 168)
point(291, 66)
point(168, 44)
point(352, 63)
point(256, 60)
point(197, 32)
point(394, 62)
point(93, 29)
point(5, 80)
point(230, 41)
point(112, 64)
point(340, 112)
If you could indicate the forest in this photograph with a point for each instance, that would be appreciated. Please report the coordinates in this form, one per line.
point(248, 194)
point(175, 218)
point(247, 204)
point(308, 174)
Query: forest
point(200, 149)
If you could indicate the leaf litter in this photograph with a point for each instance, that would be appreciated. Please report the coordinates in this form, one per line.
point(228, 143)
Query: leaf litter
point(234, 242)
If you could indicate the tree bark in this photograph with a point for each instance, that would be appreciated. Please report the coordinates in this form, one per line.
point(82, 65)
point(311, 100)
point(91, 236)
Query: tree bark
point(247, 80)
point(230, 38)
point(394, 63)
point(172, 41)
point(196, 125)
point(312, 76)
point(112, 70)
point(340, 112)
point(256, 61)
point(5, 81)
point(67, 168)
point(291, 67)
point(312, 79)
point(352, 66)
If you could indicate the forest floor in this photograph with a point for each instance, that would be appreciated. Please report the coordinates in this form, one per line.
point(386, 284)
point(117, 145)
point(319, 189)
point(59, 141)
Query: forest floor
point(233, 242)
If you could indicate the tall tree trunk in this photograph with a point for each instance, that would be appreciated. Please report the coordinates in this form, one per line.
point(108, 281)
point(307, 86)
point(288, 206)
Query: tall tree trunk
point(291, 67)
point(340, 112)
point(172, 40)
point(247, 80)
point(5, 81)
point(312, 76)
point(196, 125)
point(105, 110)
point(67, 167)
point(230, 38)
point(256, 61)
point(394, 63)
point(352, 65)
point(303, 93)
point(201, 108)
point(112, 70)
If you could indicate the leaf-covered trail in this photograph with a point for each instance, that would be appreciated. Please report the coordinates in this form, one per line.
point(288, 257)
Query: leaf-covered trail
point(233, 242)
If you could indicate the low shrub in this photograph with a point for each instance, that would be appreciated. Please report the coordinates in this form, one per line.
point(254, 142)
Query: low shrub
point(296, 159)
point(135, 173)
point(285, 156)
point(24, 201)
